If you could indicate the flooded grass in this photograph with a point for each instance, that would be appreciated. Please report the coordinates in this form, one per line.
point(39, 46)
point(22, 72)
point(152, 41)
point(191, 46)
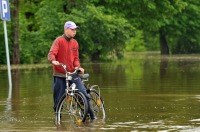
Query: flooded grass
point(149, 55)
point(26, 66)
point(155, 55)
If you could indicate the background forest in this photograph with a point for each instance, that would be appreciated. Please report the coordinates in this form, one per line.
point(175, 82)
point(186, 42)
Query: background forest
point(108, 28)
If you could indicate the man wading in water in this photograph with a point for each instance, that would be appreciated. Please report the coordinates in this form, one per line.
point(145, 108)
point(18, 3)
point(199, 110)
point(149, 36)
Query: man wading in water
point(64, 50)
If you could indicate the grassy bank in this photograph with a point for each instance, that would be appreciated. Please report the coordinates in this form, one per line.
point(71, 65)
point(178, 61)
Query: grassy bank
point(25, 66)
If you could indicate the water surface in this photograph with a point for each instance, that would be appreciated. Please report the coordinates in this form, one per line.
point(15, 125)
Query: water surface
point(143, 92)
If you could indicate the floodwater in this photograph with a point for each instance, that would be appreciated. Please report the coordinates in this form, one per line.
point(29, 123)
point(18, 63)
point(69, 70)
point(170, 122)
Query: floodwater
point(144, 92)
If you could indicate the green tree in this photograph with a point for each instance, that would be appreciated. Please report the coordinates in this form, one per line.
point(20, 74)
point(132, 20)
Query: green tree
point(148, 15)
point(30, 37)
point(107, 27)
point(2, 45)
point(101, 33)
point(185, 30)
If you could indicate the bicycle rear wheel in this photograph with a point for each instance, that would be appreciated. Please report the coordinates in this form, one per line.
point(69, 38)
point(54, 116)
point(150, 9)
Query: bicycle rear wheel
point(97, 104)
point(73, 107)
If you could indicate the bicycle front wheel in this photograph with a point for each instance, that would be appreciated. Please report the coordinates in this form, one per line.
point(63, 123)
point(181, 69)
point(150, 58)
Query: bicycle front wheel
point(97, 104)
point(72, 107)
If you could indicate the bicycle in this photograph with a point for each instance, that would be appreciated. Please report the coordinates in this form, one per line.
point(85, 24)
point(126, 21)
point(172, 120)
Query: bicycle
point(73, 104)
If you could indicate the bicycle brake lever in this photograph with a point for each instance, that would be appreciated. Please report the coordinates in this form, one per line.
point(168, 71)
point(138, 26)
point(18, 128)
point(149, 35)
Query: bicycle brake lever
point(78, 71)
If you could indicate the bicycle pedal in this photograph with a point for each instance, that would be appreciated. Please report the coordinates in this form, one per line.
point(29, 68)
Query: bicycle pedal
point(88, 90)
point(88, 115)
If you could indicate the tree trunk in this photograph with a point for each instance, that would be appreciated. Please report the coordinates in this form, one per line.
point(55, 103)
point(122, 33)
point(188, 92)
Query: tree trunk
point(15, 33)
point(95, 56)
point(164, 49)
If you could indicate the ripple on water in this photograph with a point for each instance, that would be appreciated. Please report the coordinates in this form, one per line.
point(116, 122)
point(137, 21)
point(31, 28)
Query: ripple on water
point(197, 97)
point(156, 125)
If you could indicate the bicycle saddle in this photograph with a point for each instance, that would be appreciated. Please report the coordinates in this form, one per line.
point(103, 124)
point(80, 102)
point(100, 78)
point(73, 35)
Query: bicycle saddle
point(84, 76)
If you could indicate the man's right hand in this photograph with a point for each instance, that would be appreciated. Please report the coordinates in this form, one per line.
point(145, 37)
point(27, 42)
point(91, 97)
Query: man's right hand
point(54, 62)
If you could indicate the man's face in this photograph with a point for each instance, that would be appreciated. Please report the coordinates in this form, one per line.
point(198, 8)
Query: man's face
point(70, 32)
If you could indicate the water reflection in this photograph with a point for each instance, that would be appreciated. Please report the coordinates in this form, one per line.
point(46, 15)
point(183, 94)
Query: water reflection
point(16, 89)
point(141, 93)
point(9, 107)
point(16, 83)
point(164, 60)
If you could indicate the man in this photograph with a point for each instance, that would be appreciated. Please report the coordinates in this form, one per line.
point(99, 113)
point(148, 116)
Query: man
point(64, 50)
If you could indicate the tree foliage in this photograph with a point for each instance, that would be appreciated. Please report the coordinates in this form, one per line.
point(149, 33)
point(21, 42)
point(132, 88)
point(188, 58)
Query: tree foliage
point(185, 30)
point(107, 27)
point(100, 32)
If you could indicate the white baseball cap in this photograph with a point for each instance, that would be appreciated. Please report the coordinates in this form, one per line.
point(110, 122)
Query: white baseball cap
point(70, 24)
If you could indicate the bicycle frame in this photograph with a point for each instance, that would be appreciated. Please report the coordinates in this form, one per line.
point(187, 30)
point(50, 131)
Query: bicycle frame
point(76, 107)
point(75, 101)
point(68, 76)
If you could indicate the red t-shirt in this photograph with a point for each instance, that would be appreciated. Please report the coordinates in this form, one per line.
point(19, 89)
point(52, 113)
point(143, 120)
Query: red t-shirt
point(66, 52)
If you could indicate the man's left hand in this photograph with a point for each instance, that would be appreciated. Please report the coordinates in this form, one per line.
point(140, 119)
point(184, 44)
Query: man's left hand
point(81, 70)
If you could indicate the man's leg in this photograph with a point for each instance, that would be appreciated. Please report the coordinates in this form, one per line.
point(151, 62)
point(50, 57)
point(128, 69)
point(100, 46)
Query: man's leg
point(59, 85)
point(81, 87)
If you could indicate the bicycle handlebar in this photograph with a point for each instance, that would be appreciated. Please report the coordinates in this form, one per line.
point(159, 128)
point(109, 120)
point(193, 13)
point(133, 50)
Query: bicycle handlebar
point(69, 73)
